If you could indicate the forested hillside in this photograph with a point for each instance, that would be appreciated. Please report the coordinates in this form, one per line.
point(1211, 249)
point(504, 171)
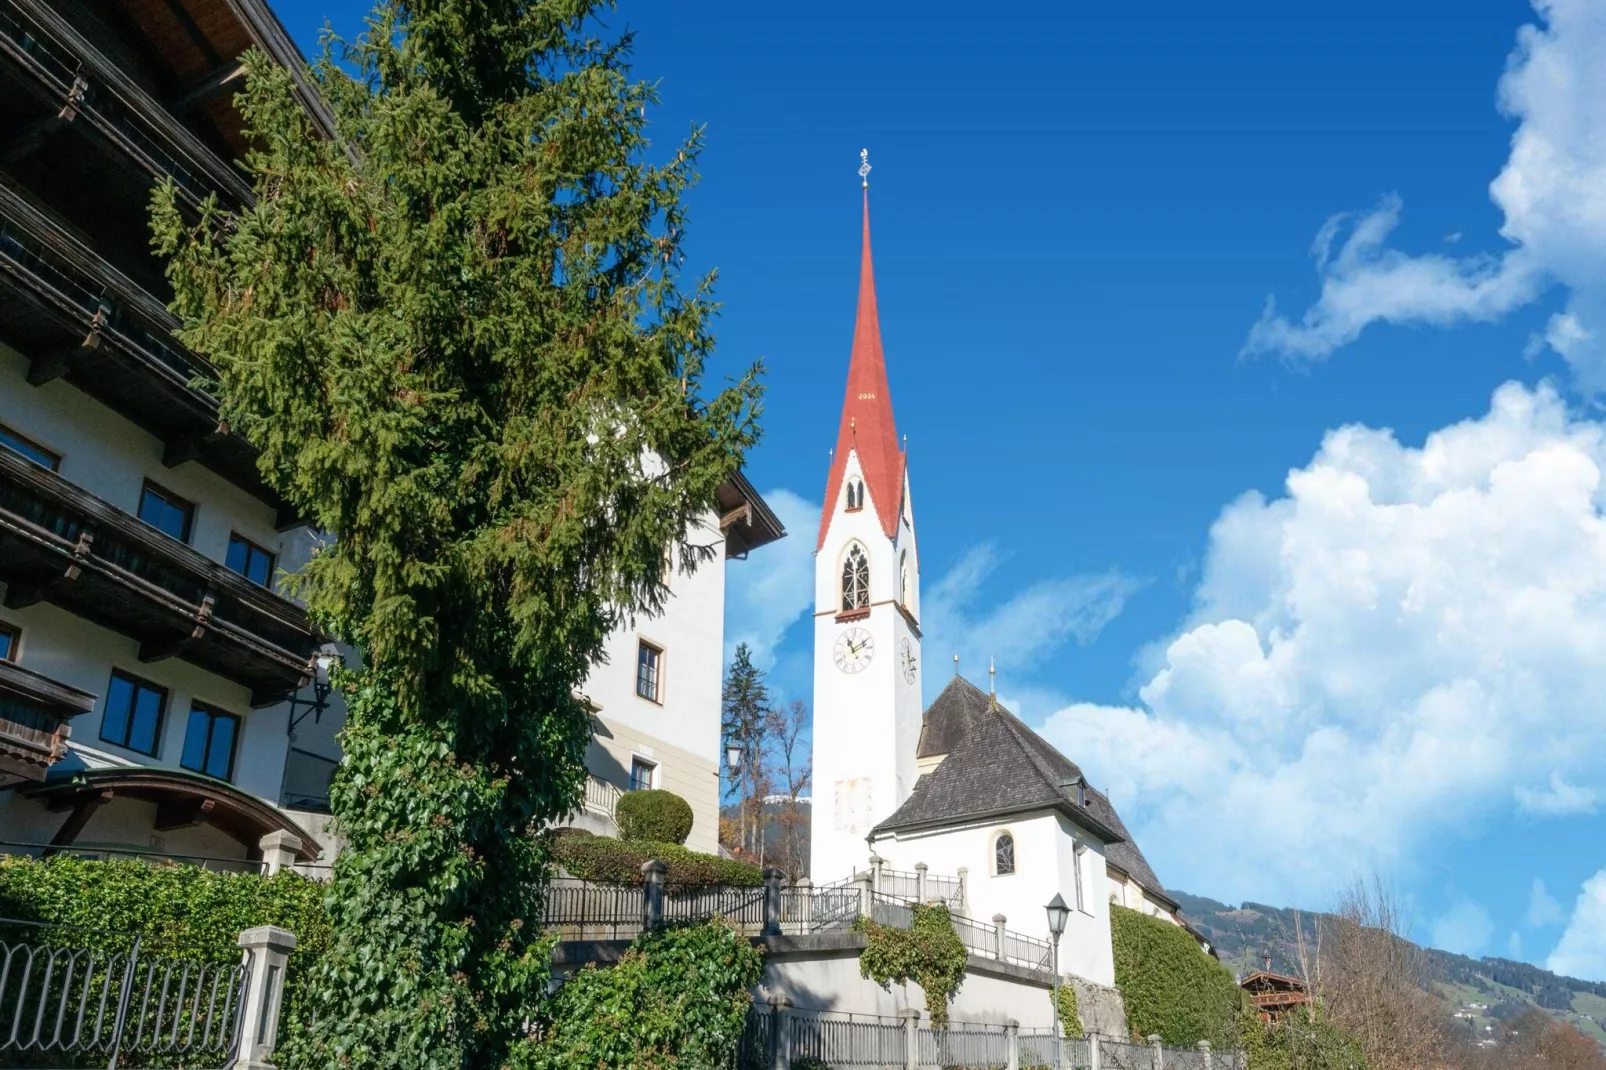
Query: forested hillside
point(1479, 991)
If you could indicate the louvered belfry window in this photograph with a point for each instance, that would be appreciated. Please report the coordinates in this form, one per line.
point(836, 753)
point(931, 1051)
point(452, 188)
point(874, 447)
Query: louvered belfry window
point(855, 579)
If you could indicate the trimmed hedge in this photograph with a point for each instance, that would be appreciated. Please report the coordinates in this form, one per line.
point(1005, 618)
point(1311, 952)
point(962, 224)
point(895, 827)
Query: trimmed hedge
point(178, 911)
point(601, 858)
point(1170, 987)
point(677, 999)
point(655, 815)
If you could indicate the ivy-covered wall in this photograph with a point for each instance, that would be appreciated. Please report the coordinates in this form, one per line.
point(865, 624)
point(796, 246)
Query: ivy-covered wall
point(1169, 985)
point(178, 911)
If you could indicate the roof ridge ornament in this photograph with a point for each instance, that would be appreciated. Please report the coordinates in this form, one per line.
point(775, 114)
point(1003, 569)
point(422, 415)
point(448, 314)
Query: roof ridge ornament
point(864, 167)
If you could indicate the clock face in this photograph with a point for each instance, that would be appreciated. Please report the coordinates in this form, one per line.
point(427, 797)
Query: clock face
point(854, 649)
point(906, 659)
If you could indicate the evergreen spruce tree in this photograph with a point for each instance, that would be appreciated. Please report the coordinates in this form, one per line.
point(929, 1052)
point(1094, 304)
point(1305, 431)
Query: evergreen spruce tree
point(457, 333)
point(745, 715)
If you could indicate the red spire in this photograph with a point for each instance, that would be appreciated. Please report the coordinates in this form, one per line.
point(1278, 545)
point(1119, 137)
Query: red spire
point(867, 424)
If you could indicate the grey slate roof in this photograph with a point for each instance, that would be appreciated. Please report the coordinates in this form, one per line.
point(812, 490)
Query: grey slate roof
point(995, 764)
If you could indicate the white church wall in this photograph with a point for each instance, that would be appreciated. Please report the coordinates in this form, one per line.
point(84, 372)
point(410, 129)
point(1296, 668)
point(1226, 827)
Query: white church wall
point(1043, 866)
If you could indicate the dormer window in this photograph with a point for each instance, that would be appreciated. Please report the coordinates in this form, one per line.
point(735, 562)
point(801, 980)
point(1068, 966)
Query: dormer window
point(855, 579)
point(855, 495)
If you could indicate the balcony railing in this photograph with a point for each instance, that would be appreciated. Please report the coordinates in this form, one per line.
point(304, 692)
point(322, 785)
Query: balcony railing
point(34, 711)
point(62, 544)
point(601, 797)
point(75, 78)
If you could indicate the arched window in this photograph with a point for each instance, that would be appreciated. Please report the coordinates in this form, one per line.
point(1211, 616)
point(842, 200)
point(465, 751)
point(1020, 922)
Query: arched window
point(905, 581)
point(855, 579)
point(1004, 854)
point(855, 494)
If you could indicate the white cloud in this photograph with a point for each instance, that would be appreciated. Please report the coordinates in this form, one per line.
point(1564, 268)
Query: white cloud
point(766, 594)
point(1464, 929)
point(1543, 911)
point(1557, 799)
point(1581, 952)
point(1552, 192)
point(1380, 656)
point(1022, 630)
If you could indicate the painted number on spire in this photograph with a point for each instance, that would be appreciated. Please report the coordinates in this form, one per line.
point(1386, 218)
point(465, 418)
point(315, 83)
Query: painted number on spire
point(864, 166)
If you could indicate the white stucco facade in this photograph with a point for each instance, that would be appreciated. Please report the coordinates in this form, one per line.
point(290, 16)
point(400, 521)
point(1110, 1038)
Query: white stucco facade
point(866, 716)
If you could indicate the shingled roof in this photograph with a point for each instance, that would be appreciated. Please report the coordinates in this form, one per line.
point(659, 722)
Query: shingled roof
point(993, 764)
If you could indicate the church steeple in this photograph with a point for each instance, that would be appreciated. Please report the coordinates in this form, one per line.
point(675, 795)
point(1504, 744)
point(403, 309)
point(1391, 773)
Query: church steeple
point(867, 424)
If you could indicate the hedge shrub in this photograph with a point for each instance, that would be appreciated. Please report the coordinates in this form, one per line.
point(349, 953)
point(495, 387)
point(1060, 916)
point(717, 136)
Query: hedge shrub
point(1170, 987)
point(178, 911)
point(678, 998)
point(654, 815)
point(600, 858)
point(929, 953)
point(1305, 1039)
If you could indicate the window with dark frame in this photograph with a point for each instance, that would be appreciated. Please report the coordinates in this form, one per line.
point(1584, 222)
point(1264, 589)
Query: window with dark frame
point(855, 579)
point(641, 774)
point(133, 713)
point(649, 671)
point(1076, 866)
point(25, 447)
point(1004, 854)
point(209, 742)
point(166, 511)
point(250, 560)
point(10, 640)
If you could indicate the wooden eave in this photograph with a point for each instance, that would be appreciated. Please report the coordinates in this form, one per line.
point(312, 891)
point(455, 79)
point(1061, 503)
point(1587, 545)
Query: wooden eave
point(34, 711)
point(73, 315)
point(745, 518)
point(61, 544)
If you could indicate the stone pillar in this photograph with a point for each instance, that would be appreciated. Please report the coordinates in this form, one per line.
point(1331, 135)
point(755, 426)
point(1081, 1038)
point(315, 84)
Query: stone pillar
point(920, 882)
point(1204, 1049)
point(267, 952)
point(279, 850)
point(876, 862)
point(911, 1037)
point(1094, 1062)
point(866, 896)
point(773, 880)
point(998, 936)
point(780, 1034)
point(1159, 1052)
point(1012, 1034)
point(652, 893)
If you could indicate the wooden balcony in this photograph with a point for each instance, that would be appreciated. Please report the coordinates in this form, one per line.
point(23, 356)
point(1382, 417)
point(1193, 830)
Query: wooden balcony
point(34, 711)
point(73, 315)
point(61, 544)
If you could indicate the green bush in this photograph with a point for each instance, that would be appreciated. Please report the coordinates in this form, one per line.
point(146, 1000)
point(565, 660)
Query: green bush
point(178, 911)
point(678, 998)
point(1170, 987)
point(1070, 1013)
point(599, 858)
point(1305, 1039)
point(653, 815)
point(929, 953)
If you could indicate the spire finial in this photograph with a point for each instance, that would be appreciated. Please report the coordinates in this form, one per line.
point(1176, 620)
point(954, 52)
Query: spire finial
point(992, 681)
point(864, 167)
point(956, 664)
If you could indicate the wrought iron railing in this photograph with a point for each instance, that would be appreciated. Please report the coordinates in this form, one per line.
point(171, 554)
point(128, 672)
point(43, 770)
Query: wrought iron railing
point(843, 1040)
point(743, 907)
point(814, 910)
point(939, 888)
point(61, 1003)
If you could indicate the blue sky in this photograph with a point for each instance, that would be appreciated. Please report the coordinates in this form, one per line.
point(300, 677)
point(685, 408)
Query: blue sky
point(1385, 660)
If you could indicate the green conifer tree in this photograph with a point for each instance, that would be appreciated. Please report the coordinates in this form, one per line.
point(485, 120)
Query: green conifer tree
point(457, 333)
point(745, 714)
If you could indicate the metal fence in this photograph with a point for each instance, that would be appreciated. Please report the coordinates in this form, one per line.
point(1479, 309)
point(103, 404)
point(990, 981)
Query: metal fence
point(65, 1005)
point(590, 910)
point(939, 888)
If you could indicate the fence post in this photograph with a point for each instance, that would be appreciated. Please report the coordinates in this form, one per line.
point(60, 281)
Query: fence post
point(911, 1037)
point(267, 952)
point(998, 936)
point(279, 850)
point(876, 862)
point(780, 1034)
point(773, 879)
point(920, 882)
point(866, 896)
point(1012, 1033)
point(964, 890)
point(1094, 1058)
point(652, 893)
point(1204, 1049)
point(1159, 1052)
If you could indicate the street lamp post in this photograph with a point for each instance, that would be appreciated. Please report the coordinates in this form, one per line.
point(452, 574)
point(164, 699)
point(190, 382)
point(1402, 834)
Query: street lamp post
point(1058, 913)
point(733, 763)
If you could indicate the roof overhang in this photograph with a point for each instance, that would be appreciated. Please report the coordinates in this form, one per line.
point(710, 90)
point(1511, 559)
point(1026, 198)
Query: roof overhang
point(1160, 897)
point(182, 799)
point(1069, 809)
point(745, 519)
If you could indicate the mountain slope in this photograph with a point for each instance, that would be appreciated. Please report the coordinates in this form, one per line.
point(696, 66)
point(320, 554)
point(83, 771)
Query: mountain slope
point(1478, 991)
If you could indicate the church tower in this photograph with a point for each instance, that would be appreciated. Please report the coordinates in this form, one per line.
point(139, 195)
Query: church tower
point(867, 661)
